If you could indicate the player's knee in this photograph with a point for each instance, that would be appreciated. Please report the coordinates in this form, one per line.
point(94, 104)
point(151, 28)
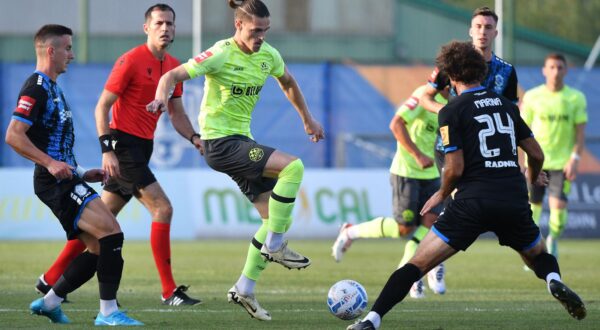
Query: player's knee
point(163, 212)
point(404, 230)
point(294, 171)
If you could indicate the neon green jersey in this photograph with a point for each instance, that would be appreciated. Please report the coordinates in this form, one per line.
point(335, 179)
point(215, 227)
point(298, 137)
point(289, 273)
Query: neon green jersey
point(231, 89)
point(422, 127)
point(552, 116)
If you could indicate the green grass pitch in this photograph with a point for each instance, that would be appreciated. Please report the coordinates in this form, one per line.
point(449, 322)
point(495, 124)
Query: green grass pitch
point(487, 287)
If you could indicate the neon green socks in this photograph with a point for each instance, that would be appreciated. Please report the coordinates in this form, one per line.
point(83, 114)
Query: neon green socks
point(536, 210)
point(411, 246)
point(376, 228)
point(254, 262)
point(281, 202)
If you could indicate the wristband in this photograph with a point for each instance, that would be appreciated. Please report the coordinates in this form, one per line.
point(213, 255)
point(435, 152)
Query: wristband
point(192, 137)
point(80, 171)
point(575, 156)
point(106, 143)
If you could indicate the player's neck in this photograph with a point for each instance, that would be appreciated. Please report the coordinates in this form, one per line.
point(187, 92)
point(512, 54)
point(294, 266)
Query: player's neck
point(461, 87)
point(241, 45)
point(158, 53)
point(555, 86)
point(46, 69)
point(486, 52)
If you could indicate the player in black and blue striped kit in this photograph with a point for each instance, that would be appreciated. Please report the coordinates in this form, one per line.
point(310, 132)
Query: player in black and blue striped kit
point(41, 130)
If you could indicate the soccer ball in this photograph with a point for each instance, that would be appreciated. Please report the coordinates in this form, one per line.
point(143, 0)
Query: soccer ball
point(347, 299)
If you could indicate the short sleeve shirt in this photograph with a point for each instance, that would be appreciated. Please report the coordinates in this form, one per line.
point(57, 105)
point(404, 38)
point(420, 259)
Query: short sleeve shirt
point(233, 82)
point(134, 79)
point(487, 128)
point(553, 117)
point(422, 128)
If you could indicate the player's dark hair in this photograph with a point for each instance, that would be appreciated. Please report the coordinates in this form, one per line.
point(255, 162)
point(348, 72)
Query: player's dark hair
point(556, 56)
point(50, 31)
point(485, 11)
point(245, 9)
point(159, 7)
point(462, 62)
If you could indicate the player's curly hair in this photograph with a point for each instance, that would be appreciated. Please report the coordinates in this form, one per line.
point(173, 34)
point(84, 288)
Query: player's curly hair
point(245, 9)
point(462, 62)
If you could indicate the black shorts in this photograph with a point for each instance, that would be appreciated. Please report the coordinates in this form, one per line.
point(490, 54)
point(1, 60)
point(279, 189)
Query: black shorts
point(409, 196)
point(67, 199)
point(243, 160)
point(134, 155)
point(464, 220)
point(558, 187)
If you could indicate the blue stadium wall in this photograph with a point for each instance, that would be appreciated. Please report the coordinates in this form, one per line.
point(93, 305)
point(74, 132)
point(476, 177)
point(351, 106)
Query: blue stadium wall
point(337, 95)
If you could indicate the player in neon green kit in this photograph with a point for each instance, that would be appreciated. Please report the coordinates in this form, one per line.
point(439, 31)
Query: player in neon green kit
point(414, 178)
point(557, 116)
point(236, 70)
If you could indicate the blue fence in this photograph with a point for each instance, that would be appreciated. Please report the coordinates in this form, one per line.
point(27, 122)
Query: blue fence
point(337, 95)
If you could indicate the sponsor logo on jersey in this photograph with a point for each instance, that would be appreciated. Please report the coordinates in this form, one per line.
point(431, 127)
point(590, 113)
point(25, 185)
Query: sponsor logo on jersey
point(445, 135)
point(500, 163)
point(25, 105)
point(238, 68)
point(488, 102)
point(412, 103)
point(238, 90)
point(202, 56)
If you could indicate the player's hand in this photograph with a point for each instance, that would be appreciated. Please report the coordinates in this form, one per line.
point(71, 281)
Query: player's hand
point(424, 161)
point(110, 164)
point(432, 202)
point(570, 169)
point(156, 106)
point(96, 175)
point(60, 170)
point(314, 129)
point(542, 179)
point(198, 145)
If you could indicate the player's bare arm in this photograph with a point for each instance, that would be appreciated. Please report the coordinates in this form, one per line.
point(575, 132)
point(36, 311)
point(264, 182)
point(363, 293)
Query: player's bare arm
point(428, 99)
point(292, 91)
point(570, 169)
point(110, 164)
point(398, 128)
point(182, 123)
point(165, 85)
point(535, 160)
point(453, 170)
point(16, 138)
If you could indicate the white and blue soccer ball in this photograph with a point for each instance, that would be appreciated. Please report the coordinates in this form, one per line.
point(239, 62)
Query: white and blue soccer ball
point(347, 299)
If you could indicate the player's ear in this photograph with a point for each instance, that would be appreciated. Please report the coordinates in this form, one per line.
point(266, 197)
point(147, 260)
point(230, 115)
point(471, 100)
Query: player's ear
point(238, 24)
point(145, 27)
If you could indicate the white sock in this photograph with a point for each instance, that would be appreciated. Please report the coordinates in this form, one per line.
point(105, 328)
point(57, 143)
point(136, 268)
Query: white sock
point(108, 307)
point(245, 285)
point(552, 276)
point(51, 300)
point(374, 318)
point(274, 241)
point(352, 232)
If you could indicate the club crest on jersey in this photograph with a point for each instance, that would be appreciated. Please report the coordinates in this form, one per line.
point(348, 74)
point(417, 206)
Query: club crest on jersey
point(202, 56)
point(256, 154)
point(25, 104)
point(264, 67)
point(498, 83)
